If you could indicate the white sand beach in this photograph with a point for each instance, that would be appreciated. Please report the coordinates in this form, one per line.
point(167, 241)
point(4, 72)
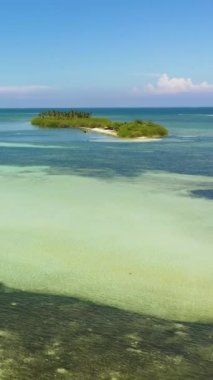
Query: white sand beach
point(110, 132)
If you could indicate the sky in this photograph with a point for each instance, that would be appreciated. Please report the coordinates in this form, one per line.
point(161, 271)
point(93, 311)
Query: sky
point(106, 53)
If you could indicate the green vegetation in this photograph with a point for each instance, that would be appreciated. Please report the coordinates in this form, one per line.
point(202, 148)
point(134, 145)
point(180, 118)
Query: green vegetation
point(65, 115)
point(77, 119)
point(140, 128)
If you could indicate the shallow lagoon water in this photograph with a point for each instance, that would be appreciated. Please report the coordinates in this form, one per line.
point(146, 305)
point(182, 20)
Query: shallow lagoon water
point(125, 225)
point(143, 245)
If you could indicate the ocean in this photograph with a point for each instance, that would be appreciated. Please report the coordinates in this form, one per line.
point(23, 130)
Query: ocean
point(106, 249)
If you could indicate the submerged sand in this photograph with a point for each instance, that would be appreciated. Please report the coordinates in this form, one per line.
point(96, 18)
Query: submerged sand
point(143, 245)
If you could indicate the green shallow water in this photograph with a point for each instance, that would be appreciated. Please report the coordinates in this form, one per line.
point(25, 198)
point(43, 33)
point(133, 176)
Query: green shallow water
point(143, 245)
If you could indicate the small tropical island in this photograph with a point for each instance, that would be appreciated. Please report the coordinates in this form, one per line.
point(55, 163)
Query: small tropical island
point(138, 129)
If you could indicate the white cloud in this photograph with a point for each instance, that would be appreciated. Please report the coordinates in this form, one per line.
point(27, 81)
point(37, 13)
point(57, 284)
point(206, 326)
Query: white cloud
point(175, 85)
point(22, 90)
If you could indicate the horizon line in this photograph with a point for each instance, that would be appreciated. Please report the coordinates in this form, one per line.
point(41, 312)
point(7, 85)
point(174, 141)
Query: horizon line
point(101, 107)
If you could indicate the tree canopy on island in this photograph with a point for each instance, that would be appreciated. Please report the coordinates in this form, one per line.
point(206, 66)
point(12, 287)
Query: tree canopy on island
point(67, 115)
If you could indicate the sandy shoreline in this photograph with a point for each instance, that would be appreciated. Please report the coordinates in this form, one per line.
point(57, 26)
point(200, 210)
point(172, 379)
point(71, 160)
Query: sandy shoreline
point(110, 132)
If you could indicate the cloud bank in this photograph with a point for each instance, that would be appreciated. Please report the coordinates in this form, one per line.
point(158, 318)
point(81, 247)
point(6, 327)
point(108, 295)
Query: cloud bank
point(22, 90)
point(175, 85)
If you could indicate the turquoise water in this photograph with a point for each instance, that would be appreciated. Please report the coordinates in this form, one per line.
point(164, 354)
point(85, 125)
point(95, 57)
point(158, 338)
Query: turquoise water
point(188, 150)
point(126, 224)
point(123, 227)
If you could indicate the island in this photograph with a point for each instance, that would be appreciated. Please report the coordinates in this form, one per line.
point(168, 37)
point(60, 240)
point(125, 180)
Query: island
point(137, 129)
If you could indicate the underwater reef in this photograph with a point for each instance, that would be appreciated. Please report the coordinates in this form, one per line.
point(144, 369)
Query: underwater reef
point(47, 337)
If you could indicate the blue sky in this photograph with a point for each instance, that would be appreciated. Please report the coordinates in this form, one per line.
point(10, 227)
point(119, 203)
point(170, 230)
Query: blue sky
point(106, 53)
